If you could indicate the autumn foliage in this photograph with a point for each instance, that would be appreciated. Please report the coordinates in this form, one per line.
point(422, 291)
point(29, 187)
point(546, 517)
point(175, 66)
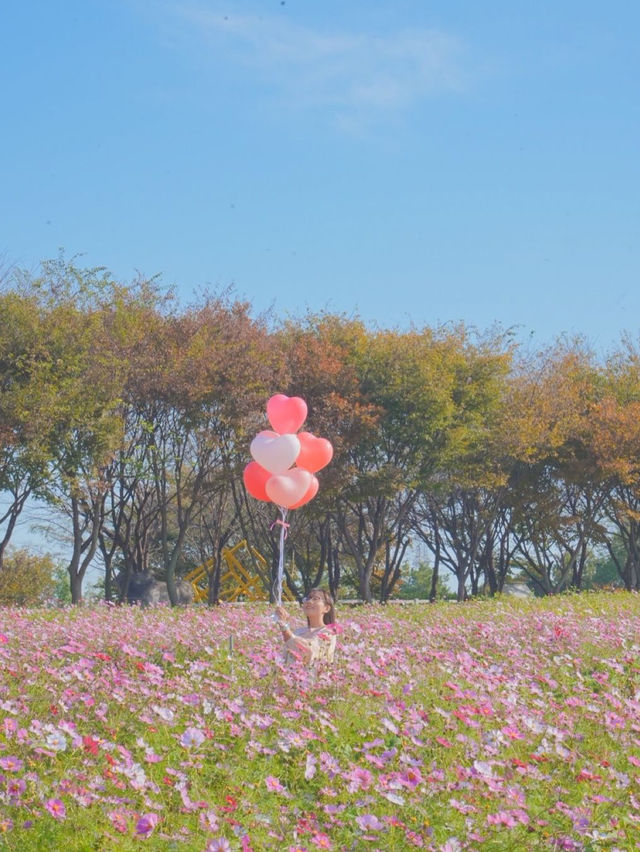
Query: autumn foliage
point(130, 416)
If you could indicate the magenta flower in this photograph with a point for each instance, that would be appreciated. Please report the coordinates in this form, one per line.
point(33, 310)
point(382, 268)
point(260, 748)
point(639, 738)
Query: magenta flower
point(145, 824)
point(359, 779)
point(10, 763)
point(508, 818)
point(411, 778)
point(56, 808)
point(512, 732)
point(16, 787)
point(119, 821)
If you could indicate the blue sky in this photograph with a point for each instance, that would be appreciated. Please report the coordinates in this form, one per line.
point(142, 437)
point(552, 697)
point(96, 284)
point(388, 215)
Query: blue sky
point(405, 160)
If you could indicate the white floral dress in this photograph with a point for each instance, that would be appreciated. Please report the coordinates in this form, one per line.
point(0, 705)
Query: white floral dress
point(311, 645)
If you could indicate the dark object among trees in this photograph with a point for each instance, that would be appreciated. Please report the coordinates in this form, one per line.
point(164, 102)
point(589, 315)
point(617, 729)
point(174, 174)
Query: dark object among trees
point(143, 589)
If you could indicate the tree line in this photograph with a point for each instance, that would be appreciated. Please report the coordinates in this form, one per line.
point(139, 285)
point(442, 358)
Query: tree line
point(130, 415)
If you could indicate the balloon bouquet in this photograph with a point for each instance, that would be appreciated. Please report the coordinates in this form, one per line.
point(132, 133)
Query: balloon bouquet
point(272, 476)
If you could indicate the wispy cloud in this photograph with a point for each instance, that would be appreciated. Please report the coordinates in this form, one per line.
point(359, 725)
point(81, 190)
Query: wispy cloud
point(360, 72)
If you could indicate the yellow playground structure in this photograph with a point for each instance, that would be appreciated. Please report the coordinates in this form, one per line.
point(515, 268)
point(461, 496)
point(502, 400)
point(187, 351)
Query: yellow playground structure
point(244, 576)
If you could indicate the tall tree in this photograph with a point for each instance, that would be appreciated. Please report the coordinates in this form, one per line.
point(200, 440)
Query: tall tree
point(320, 354)
point(83, 380)
point(410, 381)
point(460, 512)
point(557, 499)
point(615, 445)
point(214, 363)
point(24, 409)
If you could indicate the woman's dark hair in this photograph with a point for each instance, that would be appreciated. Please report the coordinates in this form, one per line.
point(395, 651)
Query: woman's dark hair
point(330, 616)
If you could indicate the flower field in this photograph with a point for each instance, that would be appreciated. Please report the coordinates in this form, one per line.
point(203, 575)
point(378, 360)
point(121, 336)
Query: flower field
point(503, 724)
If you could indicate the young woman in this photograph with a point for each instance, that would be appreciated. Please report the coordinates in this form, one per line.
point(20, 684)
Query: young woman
point(315, 642)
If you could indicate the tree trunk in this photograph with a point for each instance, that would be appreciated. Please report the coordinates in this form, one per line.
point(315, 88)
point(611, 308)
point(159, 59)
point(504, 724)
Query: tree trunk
point(364, 587)
point(462, 590)
point(433, 593)
point(76, 588)
point(213, 589)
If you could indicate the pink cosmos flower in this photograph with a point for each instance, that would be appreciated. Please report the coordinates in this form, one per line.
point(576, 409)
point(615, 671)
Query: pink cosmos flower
point(56, 808)
point(512, 732)
point(411, 778)
point(359, 779)
point(192, 738)
point(369, 822)
point(274, 785)
point(10, 725)
point(310, 767)
point(119, 821)
point(209, 821)
point(10, 763)
point(145, 824)
point(509, 818)
point(218, 844)
point(16, 787)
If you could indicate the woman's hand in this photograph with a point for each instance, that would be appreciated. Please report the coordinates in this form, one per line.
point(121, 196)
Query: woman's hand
point(281, 613)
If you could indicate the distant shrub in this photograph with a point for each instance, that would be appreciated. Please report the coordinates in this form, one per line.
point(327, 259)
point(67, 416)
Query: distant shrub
point(26, 579)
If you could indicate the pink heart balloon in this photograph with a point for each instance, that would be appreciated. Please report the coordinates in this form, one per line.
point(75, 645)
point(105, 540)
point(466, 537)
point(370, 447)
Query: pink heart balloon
point(311, 493)
point(287, 489)
point(315, 453)
point(286, 413)
point(275, 453)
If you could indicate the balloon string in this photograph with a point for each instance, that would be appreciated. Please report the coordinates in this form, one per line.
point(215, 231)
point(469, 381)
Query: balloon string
point(277, 586)
point(282, 524)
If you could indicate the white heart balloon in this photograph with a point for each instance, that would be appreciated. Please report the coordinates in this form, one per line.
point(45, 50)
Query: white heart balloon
point(288, 488)
point(276, 453)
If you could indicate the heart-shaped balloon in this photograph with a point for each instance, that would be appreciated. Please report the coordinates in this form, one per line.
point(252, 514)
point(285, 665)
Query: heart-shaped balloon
point(255, 478)
point(315, 453)
point(286, 413)
point(287, 489)
point(275, 453)
point(312, 490)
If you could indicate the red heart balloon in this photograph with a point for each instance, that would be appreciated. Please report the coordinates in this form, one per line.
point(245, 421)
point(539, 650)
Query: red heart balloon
point(286, 413)
point(315, 453)
point(255, 478)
